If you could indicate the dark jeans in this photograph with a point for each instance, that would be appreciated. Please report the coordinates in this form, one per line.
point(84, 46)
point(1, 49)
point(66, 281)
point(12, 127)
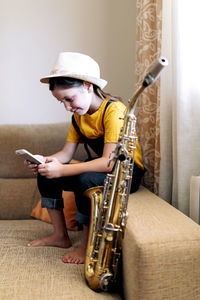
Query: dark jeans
point(51, 190)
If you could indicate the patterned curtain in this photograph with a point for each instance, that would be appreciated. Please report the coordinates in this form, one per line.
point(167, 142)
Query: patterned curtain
point(148, 49)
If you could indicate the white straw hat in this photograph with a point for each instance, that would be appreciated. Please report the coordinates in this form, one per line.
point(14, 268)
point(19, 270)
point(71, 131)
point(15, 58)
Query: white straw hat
point(76, 65)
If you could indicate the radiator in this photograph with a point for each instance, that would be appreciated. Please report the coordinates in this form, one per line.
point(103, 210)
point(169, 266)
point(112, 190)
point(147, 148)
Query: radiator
point(195, 198)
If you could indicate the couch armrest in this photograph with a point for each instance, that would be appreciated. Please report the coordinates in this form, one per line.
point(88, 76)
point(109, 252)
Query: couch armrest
point(161, 251)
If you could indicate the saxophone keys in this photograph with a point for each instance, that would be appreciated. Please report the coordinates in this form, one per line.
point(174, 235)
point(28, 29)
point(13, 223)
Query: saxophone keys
point(111, 175)
point(109, 237)
point(109, 228)
point(90, 270)
point(117, 255)
point(105, 280)
point(117, 227)
point(124, 219)
point(105, 206)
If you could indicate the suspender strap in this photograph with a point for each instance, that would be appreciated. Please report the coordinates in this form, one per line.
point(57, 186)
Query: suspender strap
point(107, 104)
point(83, 137)
point(95, 144)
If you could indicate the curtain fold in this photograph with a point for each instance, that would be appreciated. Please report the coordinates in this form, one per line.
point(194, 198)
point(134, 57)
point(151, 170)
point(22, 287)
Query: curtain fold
point(180, 105)
point(148, 49)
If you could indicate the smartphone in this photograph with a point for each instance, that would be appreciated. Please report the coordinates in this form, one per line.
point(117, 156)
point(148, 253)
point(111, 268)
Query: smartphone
point(28, 156)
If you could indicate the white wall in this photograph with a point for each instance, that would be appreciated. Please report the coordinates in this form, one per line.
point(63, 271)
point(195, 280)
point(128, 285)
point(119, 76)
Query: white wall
point(33, 32)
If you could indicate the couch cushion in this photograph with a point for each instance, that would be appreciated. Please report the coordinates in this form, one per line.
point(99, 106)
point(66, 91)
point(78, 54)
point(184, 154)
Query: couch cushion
point(39, 273)
point(18, 197)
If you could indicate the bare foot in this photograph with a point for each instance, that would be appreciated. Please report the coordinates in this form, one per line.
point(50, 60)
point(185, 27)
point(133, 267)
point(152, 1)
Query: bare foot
point(75, 257)
point(54, 241)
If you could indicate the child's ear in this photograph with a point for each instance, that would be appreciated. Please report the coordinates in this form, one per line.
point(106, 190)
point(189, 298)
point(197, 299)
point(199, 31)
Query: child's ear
point(88, 86)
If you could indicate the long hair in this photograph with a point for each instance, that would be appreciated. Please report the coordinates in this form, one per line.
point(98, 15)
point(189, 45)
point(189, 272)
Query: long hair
point(68, 82)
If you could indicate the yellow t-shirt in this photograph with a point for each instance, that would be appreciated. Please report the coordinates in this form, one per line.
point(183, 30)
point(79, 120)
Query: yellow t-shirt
point(97, 124)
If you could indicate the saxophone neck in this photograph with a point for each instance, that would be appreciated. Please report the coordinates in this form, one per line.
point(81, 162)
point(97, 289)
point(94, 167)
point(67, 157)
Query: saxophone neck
point(149, 79)
point(130, 109)
point(133, 101)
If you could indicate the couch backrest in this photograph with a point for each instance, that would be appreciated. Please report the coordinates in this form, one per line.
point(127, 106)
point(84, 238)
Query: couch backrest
point(38, 139)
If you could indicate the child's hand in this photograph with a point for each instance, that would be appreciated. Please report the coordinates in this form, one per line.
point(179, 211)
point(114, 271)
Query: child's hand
point(51, 168)
point(34, 167)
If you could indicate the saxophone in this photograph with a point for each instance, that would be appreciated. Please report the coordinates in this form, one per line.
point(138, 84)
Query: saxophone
point(109, 203)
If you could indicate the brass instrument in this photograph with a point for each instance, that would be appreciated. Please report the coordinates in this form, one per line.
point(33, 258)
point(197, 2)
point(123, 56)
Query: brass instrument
point(109, 203)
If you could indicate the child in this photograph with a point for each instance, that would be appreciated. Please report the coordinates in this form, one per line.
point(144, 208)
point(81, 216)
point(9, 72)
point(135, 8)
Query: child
point(75, 81)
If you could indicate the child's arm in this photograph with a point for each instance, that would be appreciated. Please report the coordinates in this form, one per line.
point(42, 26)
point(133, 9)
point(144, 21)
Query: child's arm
point(54, 168)
point(66, 154)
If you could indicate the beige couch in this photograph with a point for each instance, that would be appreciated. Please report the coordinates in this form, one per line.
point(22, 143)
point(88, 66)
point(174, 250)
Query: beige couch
point(161, 249)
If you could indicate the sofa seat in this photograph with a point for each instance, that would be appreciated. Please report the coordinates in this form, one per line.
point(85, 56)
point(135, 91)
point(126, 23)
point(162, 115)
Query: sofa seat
point(39, 273)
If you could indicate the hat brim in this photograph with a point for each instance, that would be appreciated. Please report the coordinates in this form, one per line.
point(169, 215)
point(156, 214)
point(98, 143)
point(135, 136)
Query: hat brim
point(97, 81)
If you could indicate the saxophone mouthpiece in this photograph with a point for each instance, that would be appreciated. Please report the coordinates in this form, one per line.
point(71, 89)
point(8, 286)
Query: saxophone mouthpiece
point(155, 71)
